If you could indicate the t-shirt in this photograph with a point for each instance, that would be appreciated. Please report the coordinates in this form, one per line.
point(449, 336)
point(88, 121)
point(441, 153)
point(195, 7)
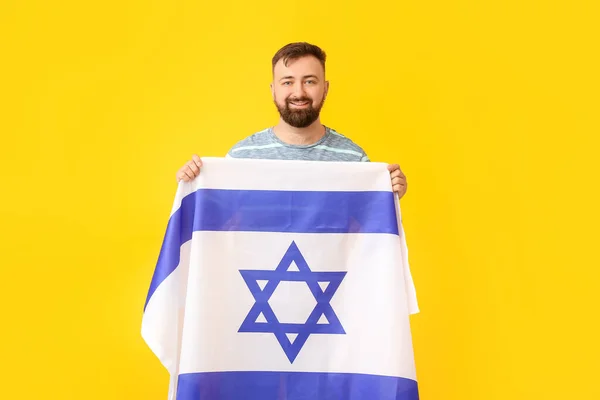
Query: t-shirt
point(333, 146)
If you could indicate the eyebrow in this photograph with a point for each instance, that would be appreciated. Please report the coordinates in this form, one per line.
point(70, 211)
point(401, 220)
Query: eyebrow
point(304, 77)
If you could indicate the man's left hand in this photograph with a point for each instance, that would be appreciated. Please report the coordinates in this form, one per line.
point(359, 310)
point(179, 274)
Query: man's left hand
point(398, 179)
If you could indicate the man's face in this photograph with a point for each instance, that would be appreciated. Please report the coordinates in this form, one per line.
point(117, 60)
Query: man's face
point(299, 90)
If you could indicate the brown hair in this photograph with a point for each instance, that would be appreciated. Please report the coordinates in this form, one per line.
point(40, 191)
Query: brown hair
point(296, 50)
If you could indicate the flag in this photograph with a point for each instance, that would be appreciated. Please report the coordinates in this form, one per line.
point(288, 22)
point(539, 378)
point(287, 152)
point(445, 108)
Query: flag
point(284, 280)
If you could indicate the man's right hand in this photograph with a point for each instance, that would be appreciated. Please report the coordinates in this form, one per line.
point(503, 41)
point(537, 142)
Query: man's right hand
point(190, 170)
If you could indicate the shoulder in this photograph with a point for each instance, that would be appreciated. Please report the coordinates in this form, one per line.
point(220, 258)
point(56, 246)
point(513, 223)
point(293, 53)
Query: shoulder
point(258, 140)
point(343, 143)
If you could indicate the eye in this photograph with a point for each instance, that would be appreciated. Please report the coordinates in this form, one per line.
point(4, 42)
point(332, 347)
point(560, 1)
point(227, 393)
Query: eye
point(310, 81)
point(286, 83)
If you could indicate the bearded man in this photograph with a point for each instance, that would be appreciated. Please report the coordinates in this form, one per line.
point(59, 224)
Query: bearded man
point(299, 90)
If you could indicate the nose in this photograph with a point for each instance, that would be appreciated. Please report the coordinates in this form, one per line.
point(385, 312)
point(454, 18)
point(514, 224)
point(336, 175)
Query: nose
point(298, 90)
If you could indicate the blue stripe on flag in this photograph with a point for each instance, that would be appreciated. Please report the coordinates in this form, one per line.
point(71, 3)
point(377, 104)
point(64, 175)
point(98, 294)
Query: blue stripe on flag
point(294, 386)
point(272, 211)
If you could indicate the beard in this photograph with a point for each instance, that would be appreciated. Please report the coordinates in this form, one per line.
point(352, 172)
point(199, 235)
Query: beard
point(299, 118)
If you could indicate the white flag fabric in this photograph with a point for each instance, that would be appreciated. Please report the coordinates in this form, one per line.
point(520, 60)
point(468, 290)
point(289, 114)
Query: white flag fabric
point(284, 280)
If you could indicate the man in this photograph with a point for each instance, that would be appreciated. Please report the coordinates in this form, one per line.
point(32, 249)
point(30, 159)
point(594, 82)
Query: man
point(299, 90)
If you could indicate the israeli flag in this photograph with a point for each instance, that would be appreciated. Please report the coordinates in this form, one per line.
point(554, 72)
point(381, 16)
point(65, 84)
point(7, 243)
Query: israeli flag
point(284, 280)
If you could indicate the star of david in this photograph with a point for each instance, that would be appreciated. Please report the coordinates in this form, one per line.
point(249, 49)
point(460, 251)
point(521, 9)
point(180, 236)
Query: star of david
point(282, 274)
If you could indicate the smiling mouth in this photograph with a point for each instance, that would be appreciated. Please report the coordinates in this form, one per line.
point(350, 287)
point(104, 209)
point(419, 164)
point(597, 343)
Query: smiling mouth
point(300, 103)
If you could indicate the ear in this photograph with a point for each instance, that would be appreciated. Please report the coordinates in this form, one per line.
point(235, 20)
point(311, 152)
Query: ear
point(326, 89)
point(272, 90)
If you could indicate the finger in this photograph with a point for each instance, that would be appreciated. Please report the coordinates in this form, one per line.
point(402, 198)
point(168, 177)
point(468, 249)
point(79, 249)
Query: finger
point(188, 174)
point(401, 190)
point(399, 169)
point(182, 176)
point(396, 173)
point(197, 160)
point(399, 181)
point(195, 169)
point(393, 167)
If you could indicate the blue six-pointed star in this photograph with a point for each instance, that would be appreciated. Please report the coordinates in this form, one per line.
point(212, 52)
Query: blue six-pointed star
point(282, 274)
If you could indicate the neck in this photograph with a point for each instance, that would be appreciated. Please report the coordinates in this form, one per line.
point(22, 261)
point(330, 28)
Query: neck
point(299, 136)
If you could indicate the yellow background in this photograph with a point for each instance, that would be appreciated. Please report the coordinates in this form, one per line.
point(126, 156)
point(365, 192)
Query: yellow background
point(490, 107)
